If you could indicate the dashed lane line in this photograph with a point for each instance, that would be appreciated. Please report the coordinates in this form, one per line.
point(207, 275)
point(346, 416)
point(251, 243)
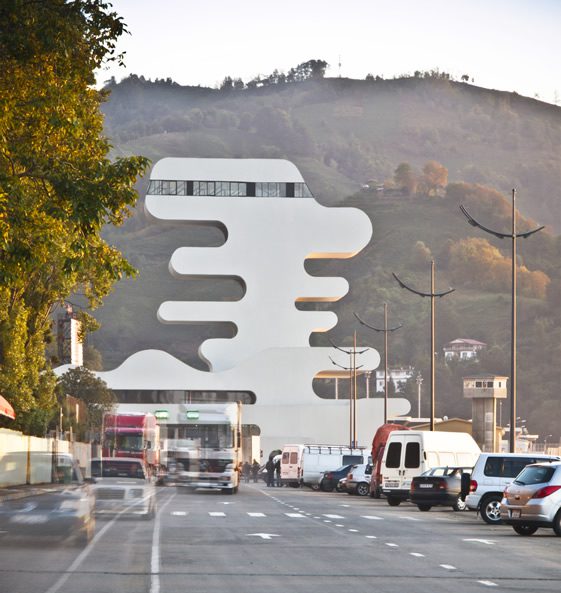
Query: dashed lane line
point(488, 583)
point(447, 566)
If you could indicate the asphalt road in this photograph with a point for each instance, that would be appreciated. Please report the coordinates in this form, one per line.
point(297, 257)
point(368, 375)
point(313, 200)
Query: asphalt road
point(283, 539)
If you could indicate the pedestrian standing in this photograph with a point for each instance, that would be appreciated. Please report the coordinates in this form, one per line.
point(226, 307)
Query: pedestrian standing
point(255, 471)
point(270, 467)
point(278, 471)
point(246, 471)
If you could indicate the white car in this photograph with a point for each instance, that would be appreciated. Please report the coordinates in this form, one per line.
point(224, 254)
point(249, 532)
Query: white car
point(358, 479)
point(492, 473)
point(123, 486)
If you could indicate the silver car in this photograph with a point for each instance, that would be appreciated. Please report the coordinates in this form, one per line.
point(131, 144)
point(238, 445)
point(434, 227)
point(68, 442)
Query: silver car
point(533, 500)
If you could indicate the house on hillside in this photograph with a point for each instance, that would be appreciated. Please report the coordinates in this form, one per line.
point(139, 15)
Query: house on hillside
point(463, 349)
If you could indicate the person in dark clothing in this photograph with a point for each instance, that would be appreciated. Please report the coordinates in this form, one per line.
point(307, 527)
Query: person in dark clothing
point(246, 472)
point(255, 470)
point(270, 467)
point(278, 472)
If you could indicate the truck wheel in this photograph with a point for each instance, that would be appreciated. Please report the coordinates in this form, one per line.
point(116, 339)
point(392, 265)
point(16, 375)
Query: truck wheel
point(424, 507)
point(393, 501)
point(490, 510)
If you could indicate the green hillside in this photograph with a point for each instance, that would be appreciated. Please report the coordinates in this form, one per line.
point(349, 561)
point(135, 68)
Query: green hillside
point(342, 134)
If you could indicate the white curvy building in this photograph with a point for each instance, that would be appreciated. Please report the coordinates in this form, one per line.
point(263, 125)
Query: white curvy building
point(272, 225)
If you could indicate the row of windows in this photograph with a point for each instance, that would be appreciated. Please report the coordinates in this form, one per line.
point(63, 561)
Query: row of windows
point(228, 189)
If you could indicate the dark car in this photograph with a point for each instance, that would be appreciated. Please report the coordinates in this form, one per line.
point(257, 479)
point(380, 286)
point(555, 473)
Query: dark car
point(439, 486)
point(331, 479)
point(59, 507)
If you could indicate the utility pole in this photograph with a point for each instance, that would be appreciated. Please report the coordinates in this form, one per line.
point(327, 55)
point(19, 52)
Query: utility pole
point(513, 235)
point(419, 381)
point(432, 295)
point(353, 368)
point(385, 331)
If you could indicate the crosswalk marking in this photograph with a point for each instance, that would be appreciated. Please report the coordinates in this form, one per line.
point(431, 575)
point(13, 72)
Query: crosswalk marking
point(334, 516)
point(179, 513)
point(417, 554)
point(448, 566)
point(257, 514)
point(295, 515)
point(217, 514)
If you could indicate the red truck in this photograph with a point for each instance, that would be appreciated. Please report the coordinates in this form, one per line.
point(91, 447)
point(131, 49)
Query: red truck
point(378, 447)
point(132, 435)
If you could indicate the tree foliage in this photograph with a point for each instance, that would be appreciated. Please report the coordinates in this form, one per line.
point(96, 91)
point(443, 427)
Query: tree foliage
point(58, 187)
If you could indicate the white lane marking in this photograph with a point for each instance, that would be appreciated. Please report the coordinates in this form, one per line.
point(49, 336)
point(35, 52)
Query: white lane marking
point(263, 535)
point(417, 554)
point(345, 505)
point(178, 513)
point(392, 545)
point(489, 542)
point(448, 566)
point(86, 551)
point(354, 530)
point(227, 503)
point(317, 517)
point(295, 515)
point(488, 583)
point(217, 514)
point(339, 525)
point(155, 560)
point(327, 521)
point(410, 518)
point(372, 517)
point(370, 536)
point(334, 516)
point(257, 514)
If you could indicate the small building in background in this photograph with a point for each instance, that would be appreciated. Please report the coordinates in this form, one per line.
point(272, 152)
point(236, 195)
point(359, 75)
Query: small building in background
point(463, 349)
point(69, 344)
point(398, 376)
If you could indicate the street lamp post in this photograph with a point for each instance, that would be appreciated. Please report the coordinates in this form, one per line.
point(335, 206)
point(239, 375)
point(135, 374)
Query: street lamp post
point(352, 385)
point(419, 381)
point(432, 295)
point(513, 235)
point(385, 331)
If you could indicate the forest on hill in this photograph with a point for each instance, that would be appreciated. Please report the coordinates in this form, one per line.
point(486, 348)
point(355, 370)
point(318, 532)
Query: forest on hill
point(377, 145)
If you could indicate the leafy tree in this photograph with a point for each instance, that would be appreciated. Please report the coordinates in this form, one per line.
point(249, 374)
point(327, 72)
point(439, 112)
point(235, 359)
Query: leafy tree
point(81, 384)
point(406, 178)
point(435, 177)
point(58, 187)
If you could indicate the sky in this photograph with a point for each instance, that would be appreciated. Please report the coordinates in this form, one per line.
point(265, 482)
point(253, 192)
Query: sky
point(511, 45)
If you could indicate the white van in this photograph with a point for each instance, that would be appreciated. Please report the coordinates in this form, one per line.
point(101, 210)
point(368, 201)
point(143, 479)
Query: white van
point(409, 453)
point(305, 464)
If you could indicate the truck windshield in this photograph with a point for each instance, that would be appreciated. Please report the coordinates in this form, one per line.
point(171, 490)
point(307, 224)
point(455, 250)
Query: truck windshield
point(129, 442)
point(213, 436)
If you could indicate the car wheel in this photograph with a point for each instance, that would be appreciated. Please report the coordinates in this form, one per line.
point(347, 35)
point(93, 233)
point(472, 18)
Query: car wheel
point(523, 529)
point(314, 487)
point(424, 507)
point(557, 523)
point(326, 487)
point(459, 505)
point(393, 501)
point(490, 510)
point(363, 489)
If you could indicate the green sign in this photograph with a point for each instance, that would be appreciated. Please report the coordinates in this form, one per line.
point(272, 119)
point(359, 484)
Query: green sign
point(192, 415)
point(161, 414)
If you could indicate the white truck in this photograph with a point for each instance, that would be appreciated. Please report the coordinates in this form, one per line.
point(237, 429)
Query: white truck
point(203, 444)
point(409, 453)
point(305, 464)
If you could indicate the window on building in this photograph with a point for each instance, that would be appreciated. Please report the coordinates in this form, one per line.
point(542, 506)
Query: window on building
point(479, 384)
point(181, 188)
point(203, 188)
point(169, 188)
point(301, 191)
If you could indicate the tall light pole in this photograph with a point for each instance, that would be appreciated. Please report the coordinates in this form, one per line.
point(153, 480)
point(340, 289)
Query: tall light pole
point(385, 331)
point(419, 381)
point(513, 235)
point(352, 385)
point(432, 295)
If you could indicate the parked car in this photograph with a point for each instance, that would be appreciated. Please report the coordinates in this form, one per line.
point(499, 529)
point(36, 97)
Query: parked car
point(59, 508)
point(439, 486)
point(533, 500)
point(492, 473)
point(330, 479)
point(123, 487)
point(358, 479)
point(341, 485)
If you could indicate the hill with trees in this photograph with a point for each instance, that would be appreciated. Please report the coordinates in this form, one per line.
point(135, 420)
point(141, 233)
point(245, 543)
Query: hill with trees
point(408, 152)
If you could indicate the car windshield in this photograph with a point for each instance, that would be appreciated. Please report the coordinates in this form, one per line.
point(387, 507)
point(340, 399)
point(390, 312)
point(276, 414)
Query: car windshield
point(534, 474)
point(114, 468)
